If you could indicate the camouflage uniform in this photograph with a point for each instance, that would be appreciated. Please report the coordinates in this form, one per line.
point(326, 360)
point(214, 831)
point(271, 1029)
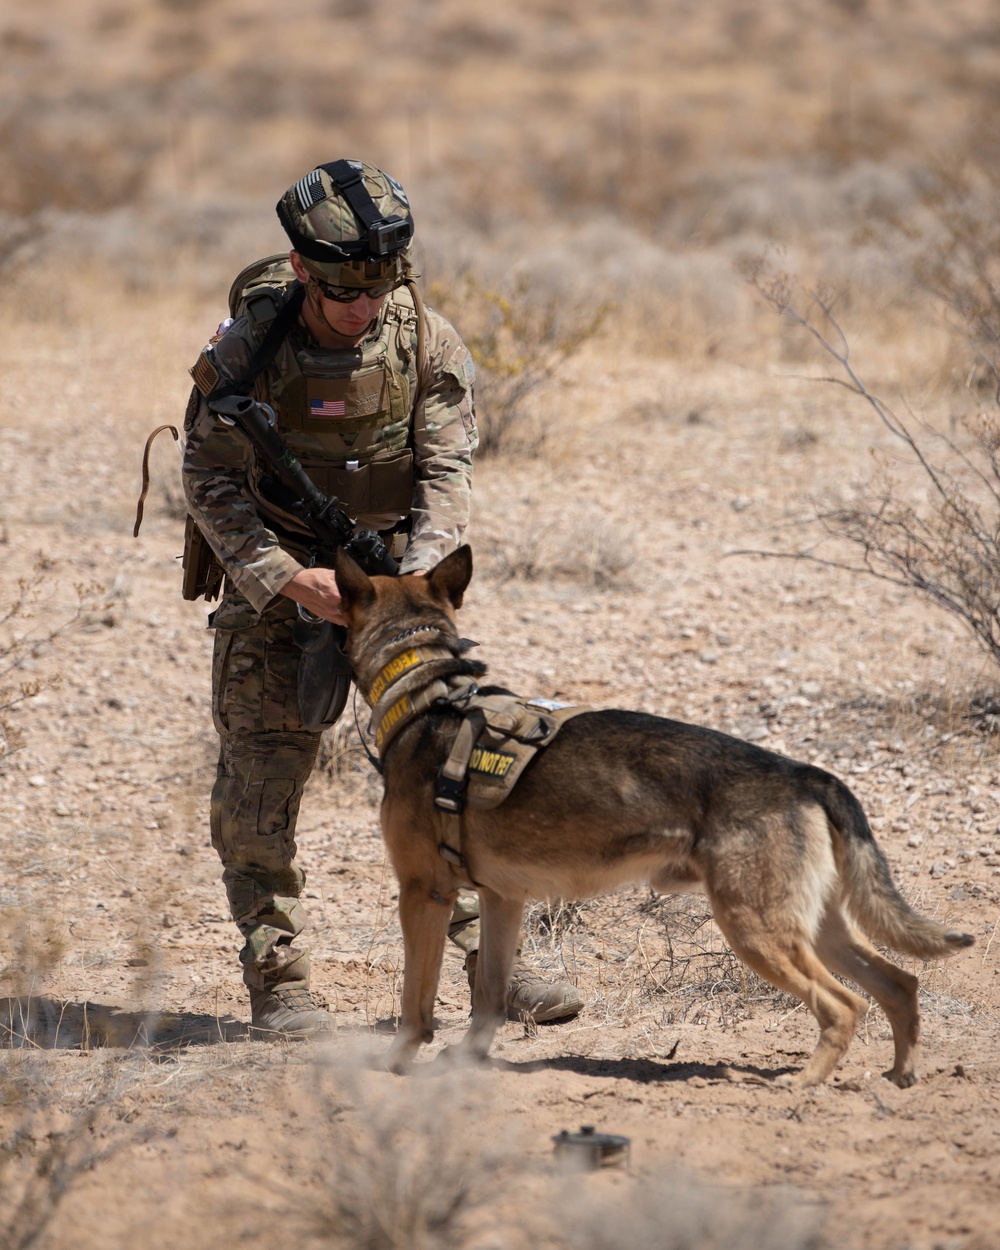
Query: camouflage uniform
point(266, 754)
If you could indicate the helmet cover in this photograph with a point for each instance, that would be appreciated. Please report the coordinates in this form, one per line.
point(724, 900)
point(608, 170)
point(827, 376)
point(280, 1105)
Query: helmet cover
point(324, 215)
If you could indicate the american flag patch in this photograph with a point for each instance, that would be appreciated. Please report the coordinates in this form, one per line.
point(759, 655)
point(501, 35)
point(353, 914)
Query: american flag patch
point(205, 374)
point(309, 191)
point(326, 408)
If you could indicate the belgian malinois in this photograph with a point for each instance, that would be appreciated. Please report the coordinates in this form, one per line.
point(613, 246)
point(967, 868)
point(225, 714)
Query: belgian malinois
point(782, 849)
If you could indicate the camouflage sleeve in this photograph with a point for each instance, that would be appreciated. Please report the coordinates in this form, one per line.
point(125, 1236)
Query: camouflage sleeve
point(216, 461)
point(444, 439)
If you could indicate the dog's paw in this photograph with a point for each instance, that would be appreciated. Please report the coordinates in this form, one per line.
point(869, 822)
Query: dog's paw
point(447, 1057)
point(461, 1056)
point(746, 1078)
point(905, 1080)
point(796, 1080)
point(397, 1059)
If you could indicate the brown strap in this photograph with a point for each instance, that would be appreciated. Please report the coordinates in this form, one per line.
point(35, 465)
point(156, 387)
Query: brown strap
point(449, 848)
point(423, 370)
point(145, 473)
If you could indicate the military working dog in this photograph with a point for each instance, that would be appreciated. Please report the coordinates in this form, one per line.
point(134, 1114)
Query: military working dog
point(782, 849)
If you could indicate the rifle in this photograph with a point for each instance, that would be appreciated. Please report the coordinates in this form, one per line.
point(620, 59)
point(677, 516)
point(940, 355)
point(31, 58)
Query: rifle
point(330, 524)
point(324, 670)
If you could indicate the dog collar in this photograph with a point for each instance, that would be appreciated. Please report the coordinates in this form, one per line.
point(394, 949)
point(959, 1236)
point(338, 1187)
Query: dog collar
point(394, 708)
point(402, 662)
point(387, 721)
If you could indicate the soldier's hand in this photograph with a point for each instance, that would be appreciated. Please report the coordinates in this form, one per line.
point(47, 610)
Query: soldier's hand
point(316, 590)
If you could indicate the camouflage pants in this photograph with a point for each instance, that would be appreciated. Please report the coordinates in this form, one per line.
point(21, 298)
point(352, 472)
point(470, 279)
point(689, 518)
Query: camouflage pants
point(464, 927)
point(265, 759)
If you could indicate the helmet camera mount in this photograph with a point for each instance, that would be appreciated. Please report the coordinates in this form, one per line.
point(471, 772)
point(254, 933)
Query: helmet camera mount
point(381, 238)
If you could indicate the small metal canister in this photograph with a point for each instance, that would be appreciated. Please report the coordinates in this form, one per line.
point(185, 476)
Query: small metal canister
point(589, 1150)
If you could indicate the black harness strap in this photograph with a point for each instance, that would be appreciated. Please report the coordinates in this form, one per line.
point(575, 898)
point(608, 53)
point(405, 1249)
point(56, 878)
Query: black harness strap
point(349, 180)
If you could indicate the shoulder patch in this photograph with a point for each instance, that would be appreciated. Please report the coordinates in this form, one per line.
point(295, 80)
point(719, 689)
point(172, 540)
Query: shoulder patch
point(462, 368)
point(204, 374)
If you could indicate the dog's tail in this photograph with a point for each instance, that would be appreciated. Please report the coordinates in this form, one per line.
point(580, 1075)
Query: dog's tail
point(869, 890)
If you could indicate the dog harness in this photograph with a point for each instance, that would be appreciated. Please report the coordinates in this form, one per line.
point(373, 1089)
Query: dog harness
point(499, 734)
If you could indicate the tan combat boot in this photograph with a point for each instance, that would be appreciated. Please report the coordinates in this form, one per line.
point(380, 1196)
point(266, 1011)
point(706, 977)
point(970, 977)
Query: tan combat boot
point(288, 1011)
point(532, 996)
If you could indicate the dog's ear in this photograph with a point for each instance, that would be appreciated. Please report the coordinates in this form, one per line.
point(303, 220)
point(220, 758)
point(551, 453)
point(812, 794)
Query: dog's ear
point(354, 584)
point(451, 576)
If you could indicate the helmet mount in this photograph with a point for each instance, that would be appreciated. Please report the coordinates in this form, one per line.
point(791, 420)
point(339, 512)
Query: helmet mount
point(381, 238)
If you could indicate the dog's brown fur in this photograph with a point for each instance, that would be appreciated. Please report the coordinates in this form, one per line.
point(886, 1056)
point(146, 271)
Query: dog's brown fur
point(782, 849)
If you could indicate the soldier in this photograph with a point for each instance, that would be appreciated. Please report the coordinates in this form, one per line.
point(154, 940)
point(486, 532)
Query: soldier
point(373, 393)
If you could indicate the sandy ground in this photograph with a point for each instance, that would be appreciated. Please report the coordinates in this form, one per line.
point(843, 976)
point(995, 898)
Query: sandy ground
point(130, 1091)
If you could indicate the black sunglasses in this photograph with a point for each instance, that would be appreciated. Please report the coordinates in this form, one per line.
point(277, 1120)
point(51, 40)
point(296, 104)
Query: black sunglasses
point(348, 294)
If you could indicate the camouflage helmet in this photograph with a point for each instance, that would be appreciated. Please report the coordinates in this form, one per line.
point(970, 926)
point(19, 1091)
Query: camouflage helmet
point(350, 223)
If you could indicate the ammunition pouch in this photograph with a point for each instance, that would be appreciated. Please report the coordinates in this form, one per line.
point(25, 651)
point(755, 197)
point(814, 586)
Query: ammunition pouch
point(324, 678)
point(380, 485)
point(203, 574)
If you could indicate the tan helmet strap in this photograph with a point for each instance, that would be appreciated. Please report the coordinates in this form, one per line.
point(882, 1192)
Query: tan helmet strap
point(421, 310)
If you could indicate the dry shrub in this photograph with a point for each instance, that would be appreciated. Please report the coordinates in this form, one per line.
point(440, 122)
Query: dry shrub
point(22, 641)
point(49, 1118)
point(636, 951)
point(50, 168)
point(32, 946)
point(673, 1211)
point(665, 951)
point(955, 257)
point(519, 342)
point(50, 1137)
point(407, 1168)
point(531, 546)
point(342, 753)
point(930, 521)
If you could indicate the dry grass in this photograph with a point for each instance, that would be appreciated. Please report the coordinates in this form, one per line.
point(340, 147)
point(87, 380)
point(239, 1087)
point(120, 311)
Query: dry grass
point(34, 620)
point(414, 1172)
point(520, 344)
point(53, 1132)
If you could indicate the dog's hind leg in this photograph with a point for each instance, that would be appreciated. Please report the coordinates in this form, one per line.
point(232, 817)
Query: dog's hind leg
point(844, 951)
point(500, 927)
point(789, 961)
point(424, 913)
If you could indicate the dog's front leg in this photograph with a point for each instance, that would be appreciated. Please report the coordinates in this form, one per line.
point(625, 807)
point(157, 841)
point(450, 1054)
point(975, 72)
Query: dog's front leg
point(424, 911)
point(500, 928)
